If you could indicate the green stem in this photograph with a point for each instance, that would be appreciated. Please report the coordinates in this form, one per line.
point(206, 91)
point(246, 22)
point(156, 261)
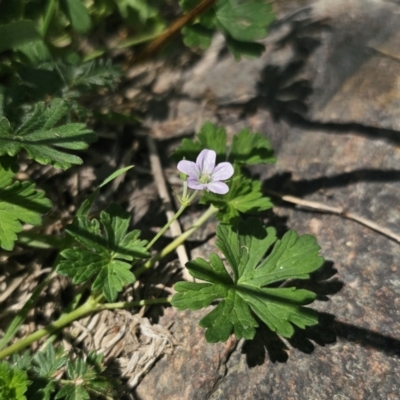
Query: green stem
point(178, 241)
point(51, 7)
point(91, 306)
point(87, 308)
point(185, 204)
point(139, 303)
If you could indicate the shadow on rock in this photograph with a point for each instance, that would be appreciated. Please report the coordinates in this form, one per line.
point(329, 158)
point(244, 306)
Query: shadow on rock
point(283, 182)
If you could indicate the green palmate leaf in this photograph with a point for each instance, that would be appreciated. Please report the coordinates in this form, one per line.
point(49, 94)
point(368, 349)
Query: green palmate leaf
point(20, 203)
point(17, 33)
point(104, 252)
point(210, 137)
point(40, 137)
point(247, 148)
point(73, 392)
point(251, 148)
point(245, 20)
point(42, 389)
point(197, 35)
point(13, 383)
point(256, 258)
point(47, 365)
point(144, 10)
point(35, 52)
point(87, 373)
point(244, 196)
point(78, 15)
point(89, 75)
point(21, 361)
point(50, 361)
point(241, 21)
point(246, 49)
point(187, 5)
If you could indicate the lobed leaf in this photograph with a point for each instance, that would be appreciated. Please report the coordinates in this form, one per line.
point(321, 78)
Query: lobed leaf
point(245, 21)
point(41, 139)
point(251, 148)
point(13, 383)
point(210, 137)
point(144, 10)
point(231, 314)
point(17, 33)
point(87, 373)
point(20, 203)
point(89, 75)
point(197, 35)
point(105, 247)
point(242, 22)
point(244, 196)
point(49, 361)
point(293, 257)
point(247, 49)
point(256, 258)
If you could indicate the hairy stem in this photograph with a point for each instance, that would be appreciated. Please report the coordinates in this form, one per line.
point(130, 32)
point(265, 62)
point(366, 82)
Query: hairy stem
point(178, 241)
point(185, 204)
point(91, 306)
point(139, 303)
point(87, 308)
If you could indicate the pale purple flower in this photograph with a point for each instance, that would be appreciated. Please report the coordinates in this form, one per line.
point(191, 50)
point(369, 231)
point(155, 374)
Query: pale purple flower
point(204, 174)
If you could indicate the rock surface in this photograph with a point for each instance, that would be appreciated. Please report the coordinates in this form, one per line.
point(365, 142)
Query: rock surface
point(342, 151)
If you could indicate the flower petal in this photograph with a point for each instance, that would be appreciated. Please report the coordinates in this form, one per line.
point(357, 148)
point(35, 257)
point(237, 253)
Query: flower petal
point(189, 168)
point(193, 183)
point(217, 187)
point(222, 172)
point(206, 161)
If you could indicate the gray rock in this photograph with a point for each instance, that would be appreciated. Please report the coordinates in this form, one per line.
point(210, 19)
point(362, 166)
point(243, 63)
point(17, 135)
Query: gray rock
point(335, 75)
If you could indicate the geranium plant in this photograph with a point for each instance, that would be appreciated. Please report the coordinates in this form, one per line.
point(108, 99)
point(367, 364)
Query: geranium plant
point(102, 253)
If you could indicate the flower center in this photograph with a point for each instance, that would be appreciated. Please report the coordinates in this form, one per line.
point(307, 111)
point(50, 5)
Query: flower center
point(205, 178)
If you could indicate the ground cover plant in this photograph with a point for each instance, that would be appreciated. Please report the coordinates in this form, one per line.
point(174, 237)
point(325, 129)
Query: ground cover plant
point(45, 120)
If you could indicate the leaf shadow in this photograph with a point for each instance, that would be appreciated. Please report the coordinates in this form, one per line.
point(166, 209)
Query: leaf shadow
point(327, 331)
point(323, 283)
point(285, 87)
point(166, 274)
point(284, 183)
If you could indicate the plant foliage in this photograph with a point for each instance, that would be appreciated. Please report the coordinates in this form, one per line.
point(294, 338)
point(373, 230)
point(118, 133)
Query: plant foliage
point(20, 203)
point(245, 194)
point(105, 251)
point(13, 383)
point(82, 378)
point(41, 136)
point(242, 23)
point(257, 259)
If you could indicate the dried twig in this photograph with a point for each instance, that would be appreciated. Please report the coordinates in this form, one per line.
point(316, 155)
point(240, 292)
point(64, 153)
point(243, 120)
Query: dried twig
point(164, 195)
point(174, 29)
point(338, 211)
